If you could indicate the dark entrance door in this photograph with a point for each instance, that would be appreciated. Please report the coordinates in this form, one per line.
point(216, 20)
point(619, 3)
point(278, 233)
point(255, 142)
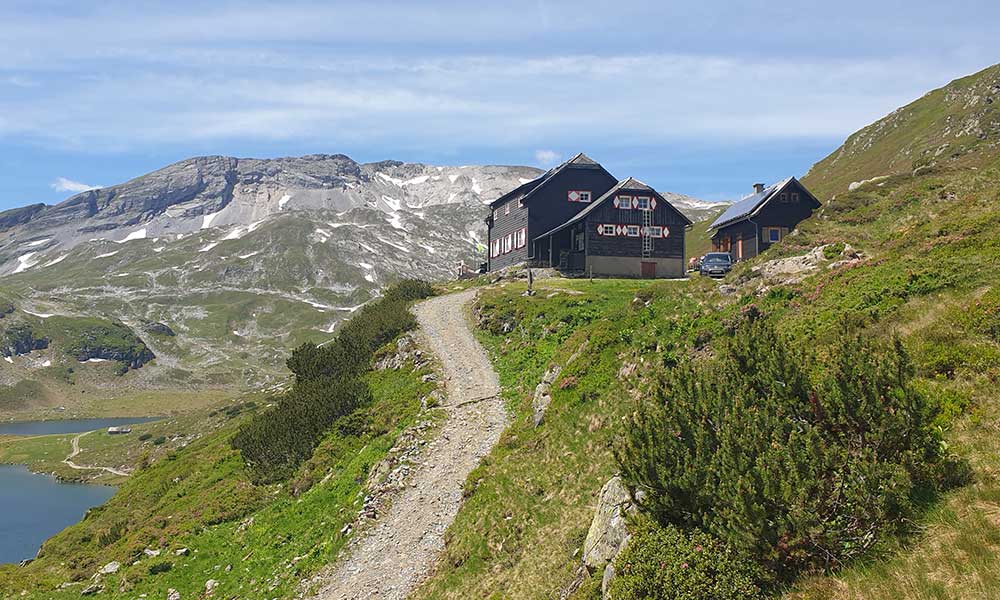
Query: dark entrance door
point(647, 269)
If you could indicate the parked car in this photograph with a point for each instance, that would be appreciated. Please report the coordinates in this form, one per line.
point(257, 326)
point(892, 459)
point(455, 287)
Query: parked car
point(716, 264)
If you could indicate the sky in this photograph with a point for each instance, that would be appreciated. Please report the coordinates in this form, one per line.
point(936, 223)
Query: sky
point(700, 97)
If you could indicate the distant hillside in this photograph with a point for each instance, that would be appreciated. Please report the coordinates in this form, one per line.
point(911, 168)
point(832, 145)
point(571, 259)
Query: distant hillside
point(956, 125)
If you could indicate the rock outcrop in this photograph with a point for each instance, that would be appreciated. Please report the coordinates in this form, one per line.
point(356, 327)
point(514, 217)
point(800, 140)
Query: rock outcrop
point(543, 393)
point(608, 532)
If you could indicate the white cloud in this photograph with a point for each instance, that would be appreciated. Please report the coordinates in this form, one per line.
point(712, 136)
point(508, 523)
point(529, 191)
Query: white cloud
point(61, 184)
point(547, 158)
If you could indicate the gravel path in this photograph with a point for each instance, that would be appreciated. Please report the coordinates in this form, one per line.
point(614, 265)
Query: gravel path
point(75, 443)
point(398, 551)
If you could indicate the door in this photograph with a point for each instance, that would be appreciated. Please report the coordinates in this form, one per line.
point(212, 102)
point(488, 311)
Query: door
point(647, 269)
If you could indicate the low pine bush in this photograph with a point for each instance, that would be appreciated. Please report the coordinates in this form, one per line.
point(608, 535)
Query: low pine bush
point(798, 460)
point(328, 386)
point(665, 563)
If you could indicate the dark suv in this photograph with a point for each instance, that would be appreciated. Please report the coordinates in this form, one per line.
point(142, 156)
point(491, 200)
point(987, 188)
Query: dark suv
point(716, 264)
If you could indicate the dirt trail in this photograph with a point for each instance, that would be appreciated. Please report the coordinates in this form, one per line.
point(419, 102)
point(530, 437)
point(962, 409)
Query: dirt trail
point(397, 552)
point(68, 461)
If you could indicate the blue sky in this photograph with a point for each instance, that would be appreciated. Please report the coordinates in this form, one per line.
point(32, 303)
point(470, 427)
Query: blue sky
point(698, 97)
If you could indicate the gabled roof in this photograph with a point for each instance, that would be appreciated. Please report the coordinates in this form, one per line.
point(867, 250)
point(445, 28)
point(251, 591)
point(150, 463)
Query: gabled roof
point(526, 190)
point(631, 185)
point(752, 204)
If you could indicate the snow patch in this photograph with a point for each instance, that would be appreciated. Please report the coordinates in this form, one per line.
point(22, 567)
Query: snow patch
point(427, 248)
point(391, 180)
point(106, 254)
point(207, 219)
point(135, 235)
point(417, 180)
point(367, 247)
point(209, 247)
point(365, 265)
point(249, 254)
point(39, 315)
point(453, 178)
point(47, 363)
point(283, 201)
point(369, 277)
point(56, 261)
point(96, 360)
point(25, 262)
point(9, 359)
point(160, 249)
point(476, 188)
point(395, 245)
point(38, 243)
point(396, 222)
point(392, 202)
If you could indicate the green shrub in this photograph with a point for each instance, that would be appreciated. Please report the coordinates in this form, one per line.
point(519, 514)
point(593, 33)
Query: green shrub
point(160, 567)
point(796, 460)
point(327, 386)
point(145, 436)
point(665, 563)
point(832, 251)
point(159, 441)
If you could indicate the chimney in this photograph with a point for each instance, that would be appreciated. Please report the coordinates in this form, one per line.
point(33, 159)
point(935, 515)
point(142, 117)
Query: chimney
point(758, 188)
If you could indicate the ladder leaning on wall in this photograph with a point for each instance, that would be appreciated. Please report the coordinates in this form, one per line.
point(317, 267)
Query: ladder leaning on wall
point(647, 240)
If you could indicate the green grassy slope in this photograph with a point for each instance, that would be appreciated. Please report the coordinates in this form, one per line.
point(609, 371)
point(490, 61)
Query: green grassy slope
point(930, 248)
point(956, 125)
point(255, 541)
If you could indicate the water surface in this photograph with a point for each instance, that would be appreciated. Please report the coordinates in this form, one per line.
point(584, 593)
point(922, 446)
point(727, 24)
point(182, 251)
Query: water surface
point(60, 426)
point(35, 507)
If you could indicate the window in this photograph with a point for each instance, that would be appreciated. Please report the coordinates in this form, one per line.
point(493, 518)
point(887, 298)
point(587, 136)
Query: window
point(521, 237)
point(642, 202)
point(520, 202)
point(625, 202)
point(632, 230)
point(773, 234)
point(496, 213)
point(795, 196)
point(506, 208)
point(508, 243)
point(495, 248)
point(654, 231)
point(783, 198)
point(579, 241)
point(607, 230)
point(578, 196)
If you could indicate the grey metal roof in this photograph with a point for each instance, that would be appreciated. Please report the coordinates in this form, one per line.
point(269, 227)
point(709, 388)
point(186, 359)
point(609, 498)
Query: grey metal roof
point(628, 184)
point(747, 206)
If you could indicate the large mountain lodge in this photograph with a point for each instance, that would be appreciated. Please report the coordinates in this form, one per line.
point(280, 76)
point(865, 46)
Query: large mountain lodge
point(579, 218)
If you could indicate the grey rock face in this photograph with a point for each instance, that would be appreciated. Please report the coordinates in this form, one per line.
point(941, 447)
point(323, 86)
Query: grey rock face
point(608, 533)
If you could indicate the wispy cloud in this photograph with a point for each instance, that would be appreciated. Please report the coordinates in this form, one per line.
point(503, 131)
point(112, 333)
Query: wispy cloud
point(546, 158)
point(62, 184)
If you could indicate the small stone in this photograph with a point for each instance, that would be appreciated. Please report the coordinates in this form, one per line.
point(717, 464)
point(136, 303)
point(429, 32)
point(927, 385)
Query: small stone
point(91, 589)
point(173, 594)
point(182, 552)
point(151, 553)
point(111, 567)
point(210, 586)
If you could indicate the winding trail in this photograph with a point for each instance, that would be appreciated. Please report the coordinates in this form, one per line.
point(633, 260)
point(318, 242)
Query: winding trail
point(389, 559)
point(68, 461)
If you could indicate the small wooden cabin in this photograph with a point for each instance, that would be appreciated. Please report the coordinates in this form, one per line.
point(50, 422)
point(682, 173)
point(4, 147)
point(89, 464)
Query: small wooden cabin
point(751, 225)
point(579, 218)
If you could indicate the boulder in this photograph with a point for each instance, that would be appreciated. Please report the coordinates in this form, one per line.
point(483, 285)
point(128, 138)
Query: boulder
point(608, 532)
point(111, 567)
point(91, 589)
point(173, 594)
point(210, 586)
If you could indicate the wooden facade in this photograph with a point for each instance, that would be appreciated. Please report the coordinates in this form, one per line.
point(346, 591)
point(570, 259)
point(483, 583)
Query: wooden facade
point(537, 206)
point(631, 231)
point(753, 224)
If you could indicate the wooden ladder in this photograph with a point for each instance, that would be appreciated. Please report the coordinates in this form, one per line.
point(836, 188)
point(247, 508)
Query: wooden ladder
point(647, 240)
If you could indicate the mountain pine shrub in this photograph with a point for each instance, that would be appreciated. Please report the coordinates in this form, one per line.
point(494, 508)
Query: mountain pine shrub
point(666, 563)
point(328, 386)
point(797, 459)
